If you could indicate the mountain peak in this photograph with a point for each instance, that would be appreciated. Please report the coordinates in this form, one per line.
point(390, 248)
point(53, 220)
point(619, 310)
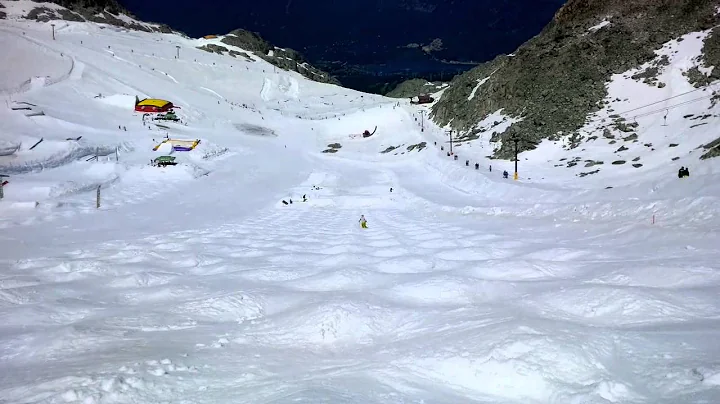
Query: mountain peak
point(98, 11)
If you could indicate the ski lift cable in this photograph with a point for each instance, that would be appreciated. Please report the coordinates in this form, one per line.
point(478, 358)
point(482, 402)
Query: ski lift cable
point(711, 85)
point(673, 106)
point(649, 113)
point(663, 100)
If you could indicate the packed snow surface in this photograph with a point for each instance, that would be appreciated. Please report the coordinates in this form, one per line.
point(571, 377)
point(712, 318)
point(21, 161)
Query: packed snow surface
point(194, 283)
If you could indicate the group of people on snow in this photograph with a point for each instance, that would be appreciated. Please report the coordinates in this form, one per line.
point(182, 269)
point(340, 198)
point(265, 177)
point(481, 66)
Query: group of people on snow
point(467, 162)
point(683, 172)
point(304, 197)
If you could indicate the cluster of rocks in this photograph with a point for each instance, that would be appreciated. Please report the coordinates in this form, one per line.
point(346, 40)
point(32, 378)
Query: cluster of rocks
point(98, 11)
point(221, 50)
point(623, 131)
point(284, 58)
point(332, 148)
point(712, 149)
point(419, 147)
point(710, 57)
point(556, 79)
point(414, 87)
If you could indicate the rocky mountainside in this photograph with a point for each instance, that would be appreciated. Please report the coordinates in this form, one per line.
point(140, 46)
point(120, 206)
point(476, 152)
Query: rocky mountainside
point(284, 58)
point(414, 87)
point(98, 11)
point(552, 84)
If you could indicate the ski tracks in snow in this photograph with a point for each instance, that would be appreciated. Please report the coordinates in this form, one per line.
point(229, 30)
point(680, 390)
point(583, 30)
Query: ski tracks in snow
point(294, 284)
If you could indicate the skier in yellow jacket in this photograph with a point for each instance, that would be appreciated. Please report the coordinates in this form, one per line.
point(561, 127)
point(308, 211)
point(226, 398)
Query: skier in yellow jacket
point(363, 222)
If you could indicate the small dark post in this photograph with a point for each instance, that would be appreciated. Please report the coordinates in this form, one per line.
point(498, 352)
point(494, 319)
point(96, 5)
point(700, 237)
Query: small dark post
point(2, 192)
point(450, 134)
point(53, 30)
point(178, 51)
point(516, 140)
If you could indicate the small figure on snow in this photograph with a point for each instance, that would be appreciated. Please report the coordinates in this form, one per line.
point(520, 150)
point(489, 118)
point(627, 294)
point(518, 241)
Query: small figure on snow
point(467, 163)
point(363, 222)
point(390, 189)
point(477, 166)
point(505, 174)
point(683, 172)
point(304, 198)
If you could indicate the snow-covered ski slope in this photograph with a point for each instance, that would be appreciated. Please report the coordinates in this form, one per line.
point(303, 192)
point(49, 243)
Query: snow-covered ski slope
point(195, 284)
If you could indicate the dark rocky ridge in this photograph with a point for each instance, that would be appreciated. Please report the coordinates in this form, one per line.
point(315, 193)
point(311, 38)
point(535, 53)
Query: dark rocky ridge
point(284, 58)
point(414, 87)
point(98, 11)
point(556, 79)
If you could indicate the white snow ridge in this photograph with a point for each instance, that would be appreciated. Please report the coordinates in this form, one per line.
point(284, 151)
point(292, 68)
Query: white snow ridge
point(194, 283)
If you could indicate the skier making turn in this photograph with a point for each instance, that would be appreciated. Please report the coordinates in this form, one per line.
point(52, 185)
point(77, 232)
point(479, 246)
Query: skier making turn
point(363, 222)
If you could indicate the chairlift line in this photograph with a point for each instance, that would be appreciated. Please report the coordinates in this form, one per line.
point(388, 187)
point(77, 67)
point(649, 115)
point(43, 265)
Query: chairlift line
point(653, 112)
point(711, 85)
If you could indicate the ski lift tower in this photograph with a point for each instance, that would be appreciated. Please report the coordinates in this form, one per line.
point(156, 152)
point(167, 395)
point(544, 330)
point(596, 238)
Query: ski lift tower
point(516, 139)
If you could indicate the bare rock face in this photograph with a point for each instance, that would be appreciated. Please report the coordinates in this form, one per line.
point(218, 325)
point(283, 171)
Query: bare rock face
point(284, 58)
point(99, 11)
point(414, 87)
point(712, 149)
point(556, 79)
point(247, 40)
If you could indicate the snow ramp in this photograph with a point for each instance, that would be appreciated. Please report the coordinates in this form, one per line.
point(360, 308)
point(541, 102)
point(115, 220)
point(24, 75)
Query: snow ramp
point(282, 88)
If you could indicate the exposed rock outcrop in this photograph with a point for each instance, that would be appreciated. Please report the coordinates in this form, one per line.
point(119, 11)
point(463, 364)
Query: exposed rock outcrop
point(284, 58)
point(553, 81)
point(414, 87)
point(98, 11)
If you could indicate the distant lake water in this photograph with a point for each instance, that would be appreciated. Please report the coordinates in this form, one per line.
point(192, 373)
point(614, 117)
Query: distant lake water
point(413, 67)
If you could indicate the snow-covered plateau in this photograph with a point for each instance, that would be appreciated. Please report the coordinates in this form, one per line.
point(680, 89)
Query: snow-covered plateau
point(195, 283)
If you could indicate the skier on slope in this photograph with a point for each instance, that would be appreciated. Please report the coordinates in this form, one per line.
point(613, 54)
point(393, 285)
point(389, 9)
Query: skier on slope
point(363, 222)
